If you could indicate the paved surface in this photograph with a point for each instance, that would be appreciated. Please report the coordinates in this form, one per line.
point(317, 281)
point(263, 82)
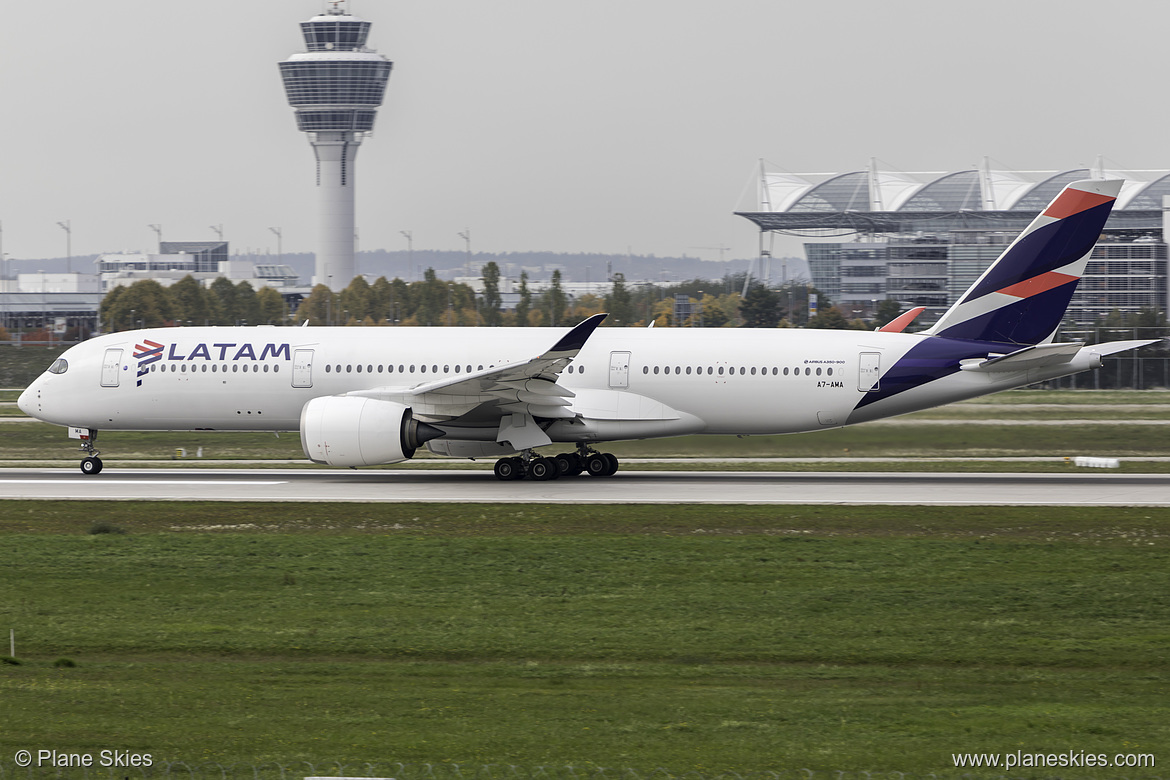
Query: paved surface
point(1081, 489)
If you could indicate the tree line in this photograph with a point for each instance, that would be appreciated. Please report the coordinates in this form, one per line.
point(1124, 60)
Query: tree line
point(436, 302)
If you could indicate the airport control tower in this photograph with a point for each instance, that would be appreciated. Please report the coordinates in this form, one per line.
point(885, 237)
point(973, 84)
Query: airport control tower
point(335, 87)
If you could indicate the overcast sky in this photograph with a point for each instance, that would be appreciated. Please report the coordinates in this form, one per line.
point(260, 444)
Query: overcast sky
point(604, 126)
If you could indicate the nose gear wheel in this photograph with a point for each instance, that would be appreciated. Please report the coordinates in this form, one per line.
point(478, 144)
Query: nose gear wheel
point(91, 464)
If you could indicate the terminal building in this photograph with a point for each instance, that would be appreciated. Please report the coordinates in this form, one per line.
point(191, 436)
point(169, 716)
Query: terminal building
point(924, 238)
point(206, 261)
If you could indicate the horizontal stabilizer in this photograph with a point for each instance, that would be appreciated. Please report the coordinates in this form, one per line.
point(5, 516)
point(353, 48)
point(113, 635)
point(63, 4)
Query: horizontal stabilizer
point(1042, 355)
point(1026, 358)
point(1110, 347)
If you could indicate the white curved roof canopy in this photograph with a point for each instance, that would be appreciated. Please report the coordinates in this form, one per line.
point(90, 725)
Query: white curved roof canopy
point(964, 190)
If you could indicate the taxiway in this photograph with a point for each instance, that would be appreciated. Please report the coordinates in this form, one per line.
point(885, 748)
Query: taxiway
point(642, 487)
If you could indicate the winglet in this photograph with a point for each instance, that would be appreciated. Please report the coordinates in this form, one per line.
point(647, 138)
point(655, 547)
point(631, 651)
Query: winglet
point(576, 338)
point(899, 323)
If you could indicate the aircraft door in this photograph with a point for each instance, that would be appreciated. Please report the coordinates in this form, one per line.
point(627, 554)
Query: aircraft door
point(302, 369)
point(111, 366)
point(619, 370)
point(869, 372)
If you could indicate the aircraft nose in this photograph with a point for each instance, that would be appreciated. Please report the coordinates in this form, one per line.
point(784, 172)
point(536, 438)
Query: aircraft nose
point(24, 402)
point(29, 400)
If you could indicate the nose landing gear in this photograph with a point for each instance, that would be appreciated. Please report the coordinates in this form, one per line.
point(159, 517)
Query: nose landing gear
point(91, 464)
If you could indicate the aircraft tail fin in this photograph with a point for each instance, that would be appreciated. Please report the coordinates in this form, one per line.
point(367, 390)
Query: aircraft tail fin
point(1021, 298)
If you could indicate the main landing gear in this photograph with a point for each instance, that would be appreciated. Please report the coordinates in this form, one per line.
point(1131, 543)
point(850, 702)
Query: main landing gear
point(91, 463)
point(567, 464)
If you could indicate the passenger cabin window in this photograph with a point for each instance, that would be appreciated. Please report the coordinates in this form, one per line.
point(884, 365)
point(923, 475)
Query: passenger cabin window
point(60, 366)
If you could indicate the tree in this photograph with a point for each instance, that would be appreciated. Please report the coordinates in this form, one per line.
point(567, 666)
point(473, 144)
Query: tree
point(490, 305)
point(620, 303)
point(270, 307)
point(381, 293)
point(318, 308)
point(584, 307)
point(144, 304)
point(714, 316)
point(555, 300)
point(107, 306)
point(190, 301)
point(887, 311)
point(401, 303)
point(831, 319)
point(794, 297)
point(247, 310)
point(524, 305)
point(355, 299)
point(760, 308)
point(431, 297)
point(223, 298)
point(462, 304)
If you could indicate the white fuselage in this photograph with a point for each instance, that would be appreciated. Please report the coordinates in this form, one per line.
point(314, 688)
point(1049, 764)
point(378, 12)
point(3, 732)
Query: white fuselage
point(626, 383)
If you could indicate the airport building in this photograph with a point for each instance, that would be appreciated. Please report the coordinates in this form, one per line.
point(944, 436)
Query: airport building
point(924, 238)
point(205, 261)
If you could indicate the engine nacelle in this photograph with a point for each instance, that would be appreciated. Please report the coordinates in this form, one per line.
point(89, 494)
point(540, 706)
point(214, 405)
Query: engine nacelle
point(342, 430)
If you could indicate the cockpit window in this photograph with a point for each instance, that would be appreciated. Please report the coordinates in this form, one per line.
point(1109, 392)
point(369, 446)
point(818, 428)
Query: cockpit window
point(60, 366)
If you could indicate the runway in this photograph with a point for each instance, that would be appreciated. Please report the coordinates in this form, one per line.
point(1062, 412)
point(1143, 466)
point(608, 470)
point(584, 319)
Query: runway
point(645, 487)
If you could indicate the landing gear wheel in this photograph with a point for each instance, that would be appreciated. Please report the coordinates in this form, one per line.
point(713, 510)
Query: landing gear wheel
point(508, 469)
point(542, 469)
point(613, 465)
point(569, 463)
point(598, 465)
point(91, 465)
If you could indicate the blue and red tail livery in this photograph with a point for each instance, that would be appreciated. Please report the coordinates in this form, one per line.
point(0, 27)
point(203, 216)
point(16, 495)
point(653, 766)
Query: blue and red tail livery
point(1022, 297)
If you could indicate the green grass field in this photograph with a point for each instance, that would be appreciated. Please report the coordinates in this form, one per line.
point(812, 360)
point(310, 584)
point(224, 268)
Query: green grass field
point(703, 638)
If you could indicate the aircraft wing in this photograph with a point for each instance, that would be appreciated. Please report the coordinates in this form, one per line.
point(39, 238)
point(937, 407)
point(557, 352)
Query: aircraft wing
point(527, 387)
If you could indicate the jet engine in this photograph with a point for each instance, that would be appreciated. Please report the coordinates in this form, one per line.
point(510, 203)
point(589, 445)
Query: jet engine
point(342, 430)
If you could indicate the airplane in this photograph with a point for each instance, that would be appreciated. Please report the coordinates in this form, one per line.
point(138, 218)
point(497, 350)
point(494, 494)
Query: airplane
point(373, 396)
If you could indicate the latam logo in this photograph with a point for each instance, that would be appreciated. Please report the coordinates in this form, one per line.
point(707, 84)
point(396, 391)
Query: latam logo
point(242, 352)
point(149, 352)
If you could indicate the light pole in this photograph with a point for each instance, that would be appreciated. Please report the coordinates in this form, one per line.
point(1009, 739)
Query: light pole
point(466, 236)
point(410, 253)
point(158, 232)
point(279, 244)
point(66, 226)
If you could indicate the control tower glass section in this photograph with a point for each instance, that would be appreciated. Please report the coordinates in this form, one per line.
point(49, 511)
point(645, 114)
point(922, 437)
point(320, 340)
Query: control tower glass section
point(348, 82)
point(337, 84)
point(329, 33)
